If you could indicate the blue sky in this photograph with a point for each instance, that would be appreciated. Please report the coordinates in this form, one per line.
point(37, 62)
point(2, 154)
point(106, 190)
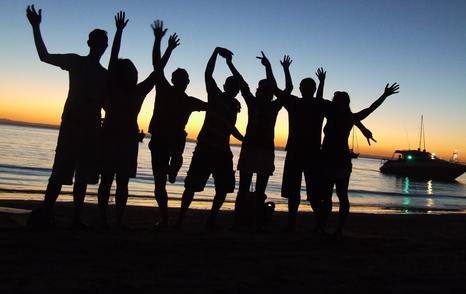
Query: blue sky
point(361, 44)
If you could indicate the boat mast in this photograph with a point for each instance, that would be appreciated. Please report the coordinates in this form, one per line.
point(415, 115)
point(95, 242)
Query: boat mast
point(422, 136)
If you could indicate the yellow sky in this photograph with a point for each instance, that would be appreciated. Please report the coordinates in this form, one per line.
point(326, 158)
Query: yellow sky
point(40, 104)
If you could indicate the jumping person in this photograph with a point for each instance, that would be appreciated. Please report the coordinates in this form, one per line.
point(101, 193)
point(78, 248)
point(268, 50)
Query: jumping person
point(171, 114)
point(213, 154)
point(77, 146)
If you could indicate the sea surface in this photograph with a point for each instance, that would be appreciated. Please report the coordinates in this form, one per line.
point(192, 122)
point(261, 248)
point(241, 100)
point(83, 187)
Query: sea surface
point(26, 157)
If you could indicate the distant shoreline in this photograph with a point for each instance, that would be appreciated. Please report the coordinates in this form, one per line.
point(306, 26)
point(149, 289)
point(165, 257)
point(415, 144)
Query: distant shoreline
point(11, 122)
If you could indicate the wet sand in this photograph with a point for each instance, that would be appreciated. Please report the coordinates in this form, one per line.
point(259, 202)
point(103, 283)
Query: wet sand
point(379, 253)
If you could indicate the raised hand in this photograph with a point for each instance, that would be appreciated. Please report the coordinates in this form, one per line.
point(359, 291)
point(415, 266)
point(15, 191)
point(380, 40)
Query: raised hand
point(286, 62)
point(120, 20)
point(321, 74)
point(173, 41)
point(390, 90)
point(368, 135)
point(264, 60)
point(158, 29)
point(225, 53)
point(33, 17)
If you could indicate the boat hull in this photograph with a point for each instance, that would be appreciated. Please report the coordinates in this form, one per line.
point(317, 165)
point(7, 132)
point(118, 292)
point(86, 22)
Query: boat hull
point(426, 170)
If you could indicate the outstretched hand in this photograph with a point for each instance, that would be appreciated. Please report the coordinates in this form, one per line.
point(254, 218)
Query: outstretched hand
point(264, 60)
point(158, 29)
point(33, 17)
point(390, 90)
point(120, 20)
point(321, 74)
point(286, 62)
point(368, 135)
point(173, 41)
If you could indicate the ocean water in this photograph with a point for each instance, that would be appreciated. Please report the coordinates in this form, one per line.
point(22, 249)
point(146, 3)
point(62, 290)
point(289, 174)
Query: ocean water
point(26, 157)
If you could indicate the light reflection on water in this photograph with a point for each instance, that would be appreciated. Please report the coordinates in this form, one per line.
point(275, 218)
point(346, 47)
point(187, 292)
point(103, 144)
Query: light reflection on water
point(26, 156)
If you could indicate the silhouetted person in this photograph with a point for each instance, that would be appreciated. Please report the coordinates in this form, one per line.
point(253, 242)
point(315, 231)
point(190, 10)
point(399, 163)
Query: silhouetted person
point(305, 119)
point(77, 147)
point(335, 149)
point(120, 131)
point(213, 154)
point(258, 149)
point(171, 113)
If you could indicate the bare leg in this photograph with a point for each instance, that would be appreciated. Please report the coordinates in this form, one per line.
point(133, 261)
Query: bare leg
point(103, 196)
point(186, 200)
point(161, 197)
point(261, 186)
point(293, 205)
point(216, 205)
point(342, 193)
point(245, 179)
point(121, 197)
point(79, 193)
point(51, 195)
point(176, 162)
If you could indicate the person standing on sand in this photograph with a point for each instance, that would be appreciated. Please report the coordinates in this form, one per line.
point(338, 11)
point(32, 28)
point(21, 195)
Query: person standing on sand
point(77, 146)
point(213, 154)
point(336, 153)
point(258, 149)
point(171, 114)
point(305, 116)
point(120, 131)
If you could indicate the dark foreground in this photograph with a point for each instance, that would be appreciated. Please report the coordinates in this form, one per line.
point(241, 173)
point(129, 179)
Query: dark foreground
point(379, 253)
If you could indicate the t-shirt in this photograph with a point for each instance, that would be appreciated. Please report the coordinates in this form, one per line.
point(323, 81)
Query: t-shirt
point(262, 115)
point(87, 88)
point(122, 107)
point(335, 147)
point(220, 118)
point(305, 118)
point(172, 109)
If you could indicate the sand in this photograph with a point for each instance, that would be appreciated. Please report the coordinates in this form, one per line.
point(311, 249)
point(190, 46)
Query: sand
point(378, 253)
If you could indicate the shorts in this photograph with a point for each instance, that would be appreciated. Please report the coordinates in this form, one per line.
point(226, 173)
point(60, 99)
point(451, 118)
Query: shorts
point(119, 156)
point(297, 163)
point(256, 160)
point(207, 161)
point(76, 155)
point(164, 150)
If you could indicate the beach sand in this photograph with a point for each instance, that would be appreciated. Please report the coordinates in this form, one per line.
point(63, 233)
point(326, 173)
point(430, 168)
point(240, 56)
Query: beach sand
point(379, 253)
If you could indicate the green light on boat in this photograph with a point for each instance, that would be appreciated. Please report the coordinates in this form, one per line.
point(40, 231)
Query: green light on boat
point(409, 157)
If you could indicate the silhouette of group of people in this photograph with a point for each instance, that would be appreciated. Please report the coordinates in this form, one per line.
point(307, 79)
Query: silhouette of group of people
point(89, 148)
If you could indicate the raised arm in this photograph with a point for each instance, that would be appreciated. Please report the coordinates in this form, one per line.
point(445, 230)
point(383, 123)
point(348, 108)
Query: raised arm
point(120, 23)
point(268, 69)
point(389, 90)
point(35, 19)
point(286, 62)
point(321, 74)
point(159, 32)
point(365, 131)
point(210, 83)
point(244, 87)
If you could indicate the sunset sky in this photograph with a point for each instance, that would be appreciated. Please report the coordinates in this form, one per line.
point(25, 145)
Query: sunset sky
point(362, 45)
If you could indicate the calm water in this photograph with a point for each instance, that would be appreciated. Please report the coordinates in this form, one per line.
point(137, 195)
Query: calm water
point(26, 156)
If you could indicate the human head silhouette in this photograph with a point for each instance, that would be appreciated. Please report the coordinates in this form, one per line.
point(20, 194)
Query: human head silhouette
point(231, 86)
point(126, 74)
point(264, 90)
point(341, 100)
point(180, 79)
point(307, 87)
point(97, 42)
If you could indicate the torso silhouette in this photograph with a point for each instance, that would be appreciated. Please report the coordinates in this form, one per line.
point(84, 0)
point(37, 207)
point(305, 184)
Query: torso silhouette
point(172, 110)
point(262, 116)
point(219, 121)
point(88, 83)
point(305, 118)
point(335, 146)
